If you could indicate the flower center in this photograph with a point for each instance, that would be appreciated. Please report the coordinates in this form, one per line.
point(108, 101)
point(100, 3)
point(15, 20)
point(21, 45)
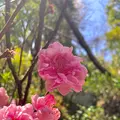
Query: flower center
point(59, 63)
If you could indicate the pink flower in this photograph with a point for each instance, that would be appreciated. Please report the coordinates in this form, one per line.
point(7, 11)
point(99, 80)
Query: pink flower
point(3, 97)
point(44, 108)
point(61, 69)
point(13, 112)
point(2, 111)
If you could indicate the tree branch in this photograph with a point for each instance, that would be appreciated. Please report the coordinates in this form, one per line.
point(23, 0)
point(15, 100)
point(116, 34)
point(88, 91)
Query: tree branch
point(83, 43)
point(41, 25)
point(10, 20)
point(37, 45)
point(8, 44)
point(27, 87)
point(53, 34)
point(30, 69)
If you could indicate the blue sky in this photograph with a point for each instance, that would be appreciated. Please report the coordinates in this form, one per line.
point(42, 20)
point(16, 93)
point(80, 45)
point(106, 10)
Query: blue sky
point(95, 25)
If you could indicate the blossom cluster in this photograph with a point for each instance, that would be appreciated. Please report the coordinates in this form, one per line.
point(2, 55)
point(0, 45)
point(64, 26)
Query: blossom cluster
point(61, 70)
point(41, 108)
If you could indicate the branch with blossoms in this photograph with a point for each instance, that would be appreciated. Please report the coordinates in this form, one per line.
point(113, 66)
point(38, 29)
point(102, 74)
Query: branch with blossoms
point(40, 108)
point(60, 70)
point(53, 34)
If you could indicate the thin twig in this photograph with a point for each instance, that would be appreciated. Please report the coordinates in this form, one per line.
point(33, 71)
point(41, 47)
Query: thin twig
point(42, 9)
point(53, 34)
point(27, 88)
point(8, 45)
point(9, 22)
point(21, 54)
point(22, 47)
point(60, 33)
point(17, 81)
point(30, 69)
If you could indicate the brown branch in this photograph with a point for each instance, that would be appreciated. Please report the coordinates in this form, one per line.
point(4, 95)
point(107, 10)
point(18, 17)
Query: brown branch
point(37, 44)
point(27, 88)
point(83, 43)
point(17, 81)
point(21, 54)
point(41, 25)
point(53, 34)
point(10, 20)
point(8, 45)
point(30, 69)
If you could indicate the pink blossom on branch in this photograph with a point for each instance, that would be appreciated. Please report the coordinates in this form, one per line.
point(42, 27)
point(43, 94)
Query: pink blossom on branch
point(44, 108)
point(61, 69)
point(13, 112)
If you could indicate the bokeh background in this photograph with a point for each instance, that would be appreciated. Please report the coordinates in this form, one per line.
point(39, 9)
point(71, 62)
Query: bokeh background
point(92, 27)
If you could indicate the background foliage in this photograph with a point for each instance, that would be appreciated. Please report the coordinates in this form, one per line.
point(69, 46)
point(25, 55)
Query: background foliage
point(100, 98)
